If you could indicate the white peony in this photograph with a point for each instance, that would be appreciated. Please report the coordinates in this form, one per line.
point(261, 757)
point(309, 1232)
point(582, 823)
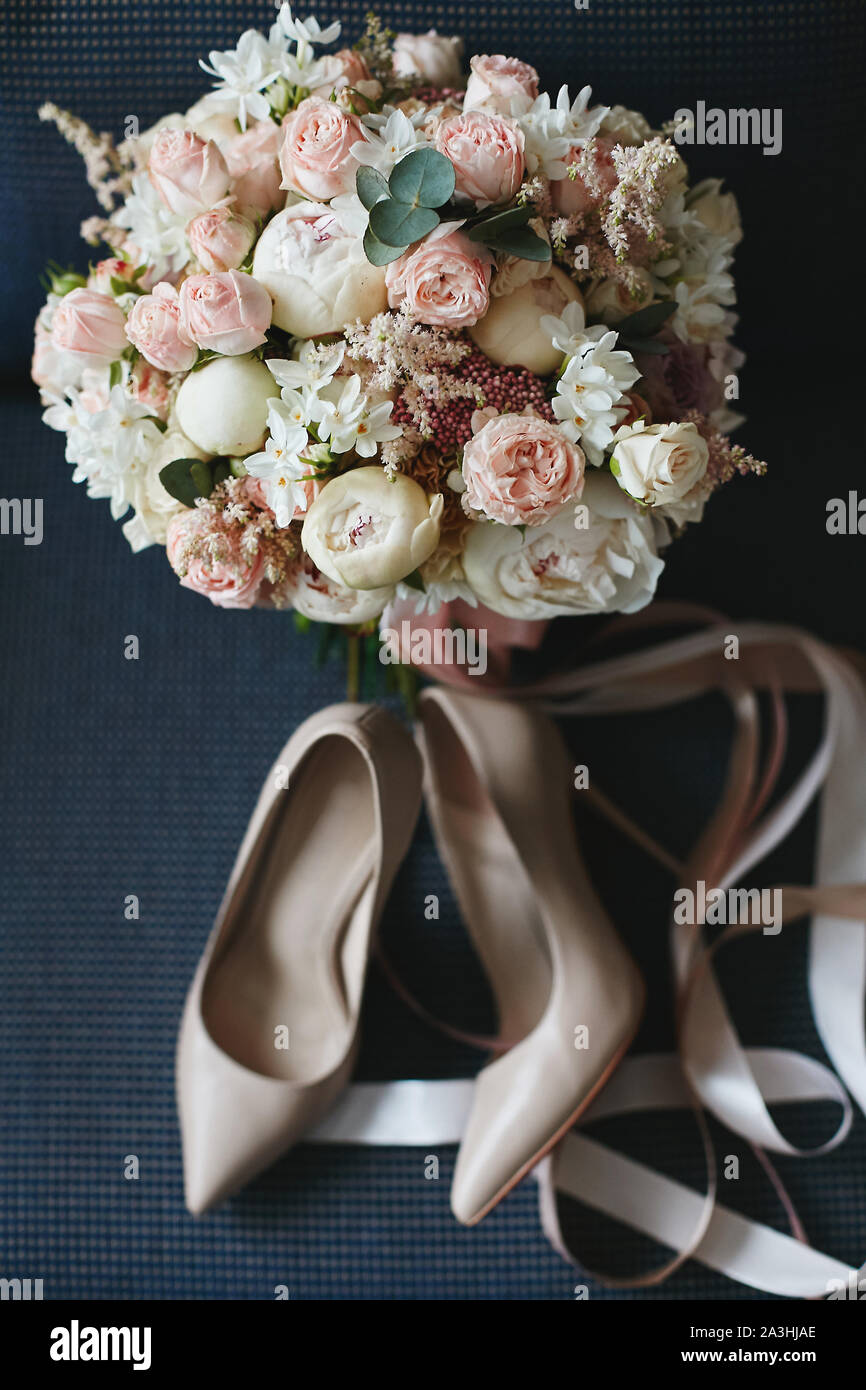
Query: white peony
point(322, 600)
point(223, 406)
point(368, 530)
point(658, 464)
point(610, 564)
point(316, 273)
point(718, 211)
point(153, 506)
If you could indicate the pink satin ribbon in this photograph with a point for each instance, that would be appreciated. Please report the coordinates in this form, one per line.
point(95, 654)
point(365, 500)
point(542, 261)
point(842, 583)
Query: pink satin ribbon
point(712, 1071)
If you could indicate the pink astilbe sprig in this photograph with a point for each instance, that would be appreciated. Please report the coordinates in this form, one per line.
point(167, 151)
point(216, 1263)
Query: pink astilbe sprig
point(236, 524)
point(642, 186)
point(726, 459)
point(414, 359)
point(107, 171)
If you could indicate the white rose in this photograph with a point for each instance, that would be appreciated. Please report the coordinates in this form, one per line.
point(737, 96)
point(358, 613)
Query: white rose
point(718, 211)
point(608, 565)
point(316, 272)
point(610, 300)
point(436, 58)
point(154, 507)
point(626, 127)
point(223, 407)
point(368, 530)
point(510, 333)
point(317, 597)
point(659, 464)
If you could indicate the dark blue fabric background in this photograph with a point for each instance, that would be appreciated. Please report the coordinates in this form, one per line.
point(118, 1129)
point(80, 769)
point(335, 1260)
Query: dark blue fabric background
point(124, 777)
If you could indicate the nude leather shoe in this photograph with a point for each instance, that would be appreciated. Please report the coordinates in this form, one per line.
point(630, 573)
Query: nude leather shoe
point(498, 787)
point(287, 957)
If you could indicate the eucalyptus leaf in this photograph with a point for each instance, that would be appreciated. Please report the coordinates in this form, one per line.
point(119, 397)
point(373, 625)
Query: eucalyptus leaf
point(522, 242)
point(377, 252)
point(491, 226)
point(399, 224)
point(371, 186)
point(177, 481)
point(423, 178)
point(646, 322)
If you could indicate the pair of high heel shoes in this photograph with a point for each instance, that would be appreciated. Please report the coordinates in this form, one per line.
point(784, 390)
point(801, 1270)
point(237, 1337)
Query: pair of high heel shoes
point(270, 1029)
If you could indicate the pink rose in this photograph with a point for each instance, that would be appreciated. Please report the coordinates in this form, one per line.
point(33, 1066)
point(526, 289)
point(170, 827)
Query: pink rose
point(570, 196)
point(89, 324)
point(521, 470)
point(500, 84)
point(188, 173)
point(316, 149)
point(154, 328)
point(435, 58)
point(444, 280)
point(487, 154)
point(220, 239)
point(150, 386)
point(254, 168)
point(207, 555)
point(111, 269)
point(228, 312)
point(343, 69)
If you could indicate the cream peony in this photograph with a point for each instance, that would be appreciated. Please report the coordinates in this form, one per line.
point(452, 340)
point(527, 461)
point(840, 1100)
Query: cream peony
point(510, 333)
point(608, 565)
point(718, 211)
point(436, 58)
point(316, 272)
point(368, 530)
point(322, 600)
point(659, 463)
point(223, 407)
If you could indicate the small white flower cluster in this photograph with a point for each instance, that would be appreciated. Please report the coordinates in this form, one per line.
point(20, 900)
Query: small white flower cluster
point(318, 414)
point(594, 379)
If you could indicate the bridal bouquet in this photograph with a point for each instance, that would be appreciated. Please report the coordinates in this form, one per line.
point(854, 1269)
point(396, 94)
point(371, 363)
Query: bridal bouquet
point(374, 330)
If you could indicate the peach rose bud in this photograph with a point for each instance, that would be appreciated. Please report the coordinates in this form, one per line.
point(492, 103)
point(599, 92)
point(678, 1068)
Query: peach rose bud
point(435, 58)
point(89, 324)
point(154, 328)
point(228, 312)
point(220, 239)
point(188, 173)
point(487, 154)
point(316, 149)
point(444, 281)
point(502, 85)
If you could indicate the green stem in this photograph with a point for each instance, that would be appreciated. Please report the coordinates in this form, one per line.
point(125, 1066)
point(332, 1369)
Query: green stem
point(353, 668)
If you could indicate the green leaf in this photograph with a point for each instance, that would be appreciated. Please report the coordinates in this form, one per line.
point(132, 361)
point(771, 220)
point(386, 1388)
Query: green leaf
point(119, 286)
point(399, 224)
point(115, 375)
point(487, 227)
point(650, 346)
point(423, 178)
point(202, 477)
point(371, 186)
point(523, 242)
point(415, 581)
point(377, 252)
point(221, 471)
point(177, 480)
point(648, 321)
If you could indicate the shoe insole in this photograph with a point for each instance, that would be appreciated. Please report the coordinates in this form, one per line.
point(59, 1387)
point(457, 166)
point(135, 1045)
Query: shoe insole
point(283, 991)
point(494, 891)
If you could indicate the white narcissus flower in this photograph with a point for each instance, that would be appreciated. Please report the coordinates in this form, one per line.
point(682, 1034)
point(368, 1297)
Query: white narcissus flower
point(552, 132)
point(242, 73)
point(658, 464)
point(159, 235)
point(314, 367)
point(610, 564)
point(593, 382)
point(279, 465)
point(388, 142)
point(111, 445)
point(368, 530)
point(348, 420)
